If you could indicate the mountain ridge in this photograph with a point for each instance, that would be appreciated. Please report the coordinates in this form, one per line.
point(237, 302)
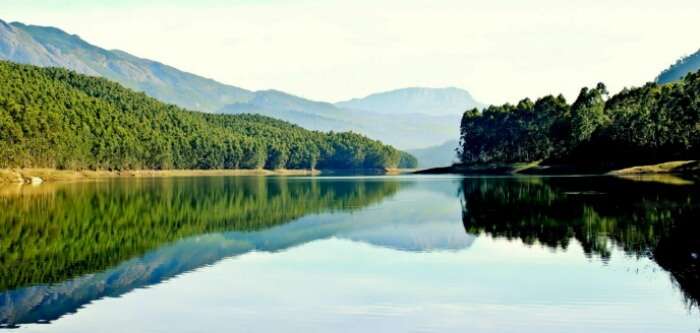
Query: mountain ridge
point(53, 47)
point(415, 100)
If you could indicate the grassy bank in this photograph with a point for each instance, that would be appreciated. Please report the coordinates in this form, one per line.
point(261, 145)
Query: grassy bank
point(667, 167)
point(54, 175)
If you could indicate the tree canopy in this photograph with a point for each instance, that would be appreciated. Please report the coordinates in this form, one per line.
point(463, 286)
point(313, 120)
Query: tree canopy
point(647, 124)
point(51, 117)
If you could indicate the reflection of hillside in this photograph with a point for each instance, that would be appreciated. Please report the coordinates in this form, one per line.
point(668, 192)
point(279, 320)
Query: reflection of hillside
point(192, 223)
point(422, 227)
point(83, 228)
point(644, 219)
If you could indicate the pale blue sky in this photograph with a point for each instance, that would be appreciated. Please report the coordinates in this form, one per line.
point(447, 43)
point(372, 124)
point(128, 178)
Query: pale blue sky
point(333, 50)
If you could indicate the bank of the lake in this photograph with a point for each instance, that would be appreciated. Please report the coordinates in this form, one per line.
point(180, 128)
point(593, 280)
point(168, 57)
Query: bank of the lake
point(39, 175)
point(671, 167)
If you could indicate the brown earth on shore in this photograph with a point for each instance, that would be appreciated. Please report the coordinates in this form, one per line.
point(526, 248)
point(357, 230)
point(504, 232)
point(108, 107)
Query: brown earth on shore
point(35, 176)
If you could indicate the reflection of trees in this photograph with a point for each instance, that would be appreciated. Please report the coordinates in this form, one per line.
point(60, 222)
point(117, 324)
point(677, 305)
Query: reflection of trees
point(644, 219)
point(679, 253)
point(81, 228)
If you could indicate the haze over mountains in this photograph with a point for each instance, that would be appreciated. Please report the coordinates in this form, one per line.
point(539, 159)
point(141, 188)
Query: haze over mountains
point(436, 156)
point(683, 66)
point(406, 118)
point(430, 101)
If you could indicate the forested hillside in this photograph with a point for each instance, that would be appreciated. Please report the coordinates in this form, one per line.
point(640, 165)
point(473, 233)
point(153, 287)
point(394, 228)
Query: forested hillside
point(53, 47)
point(51, 117)
point(648, 124)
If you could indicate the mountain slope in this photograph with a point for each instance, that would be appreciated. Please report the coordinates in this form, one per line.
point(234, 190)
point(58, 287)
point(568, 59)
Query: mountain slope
point(403, 131)
point(52, 117)
point(436, 156)
point(682, 67)
point(306, 113)
point(47, 46)
point(429, 101)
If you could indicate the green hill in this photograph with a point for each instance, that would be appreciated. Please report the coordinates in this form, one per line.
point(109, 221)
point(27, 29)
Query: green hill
point(51, 117)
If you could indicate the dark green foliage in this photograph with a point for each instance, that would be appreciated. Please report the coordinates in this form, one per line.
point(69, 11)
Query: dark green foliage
point(588, 113)
point(56, 118)
point(648, 124)
point(525, 132)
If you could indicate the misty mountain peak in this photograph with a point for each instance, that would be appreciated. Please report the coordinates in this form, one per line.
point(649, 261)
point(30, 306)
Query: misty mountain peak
point(421, 100)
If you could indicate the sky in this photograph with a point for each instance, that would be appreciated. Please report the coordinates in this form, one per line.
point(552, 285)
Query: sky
point(332, 50)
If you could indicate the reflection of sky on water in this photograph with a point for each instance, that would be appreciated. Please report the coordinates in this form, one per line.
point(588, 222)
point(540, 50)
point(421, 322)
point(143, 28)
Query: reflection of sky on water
point(402, 265)
point(339, 285)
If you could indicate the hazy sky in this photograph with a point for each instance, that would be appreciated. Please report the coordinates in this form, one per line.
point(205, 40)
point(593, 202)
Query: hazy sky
point(333, 50)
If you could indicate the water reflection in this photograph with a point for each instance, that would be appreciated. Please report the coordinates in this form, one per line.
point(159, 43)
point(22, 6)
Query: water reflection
point(51, 235)
point(642, 217)
point(65, 246)
point(54, 234)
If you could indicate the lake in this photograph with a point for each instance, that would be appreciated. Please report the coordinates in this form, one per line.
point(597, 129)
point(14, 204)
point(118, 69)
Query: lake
point(351, 254)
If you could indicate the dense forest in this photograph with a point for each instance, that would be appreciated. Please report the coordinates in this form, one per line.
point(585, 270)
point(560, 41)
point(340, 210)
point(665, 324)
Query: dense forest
point(56, 118)
point(648, 124)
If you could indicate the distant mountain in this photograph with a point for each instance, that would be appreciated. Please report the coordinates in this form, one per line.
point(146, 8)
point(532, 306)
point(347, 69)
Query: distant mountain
point(436, 156)
point(428, 101)
point(307, 113)
point(685, 65)
point(427, 117)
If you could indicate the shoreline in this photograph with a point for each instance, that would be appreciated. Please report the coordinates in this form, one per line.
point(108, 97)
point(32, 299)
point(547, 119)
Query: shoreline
point(42, 175)
point(690, 167)
point(48, 175)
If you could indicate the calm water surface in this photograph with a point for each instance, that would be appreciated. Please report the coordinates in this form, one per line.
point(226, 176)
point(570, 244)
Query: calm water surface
point(351, 254)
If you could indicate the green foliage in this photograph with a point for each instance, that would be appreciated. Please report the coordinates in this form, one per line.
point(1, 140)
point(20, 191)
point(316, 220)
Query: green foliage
point(56, 118)
point(648, 124)
point(408, 161)
point(525, 132)
point(588, 113)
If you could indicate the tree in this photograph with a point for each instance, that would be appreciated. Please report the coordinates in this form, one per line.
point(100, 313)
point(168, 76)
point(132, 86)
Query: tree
point(588, 113)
